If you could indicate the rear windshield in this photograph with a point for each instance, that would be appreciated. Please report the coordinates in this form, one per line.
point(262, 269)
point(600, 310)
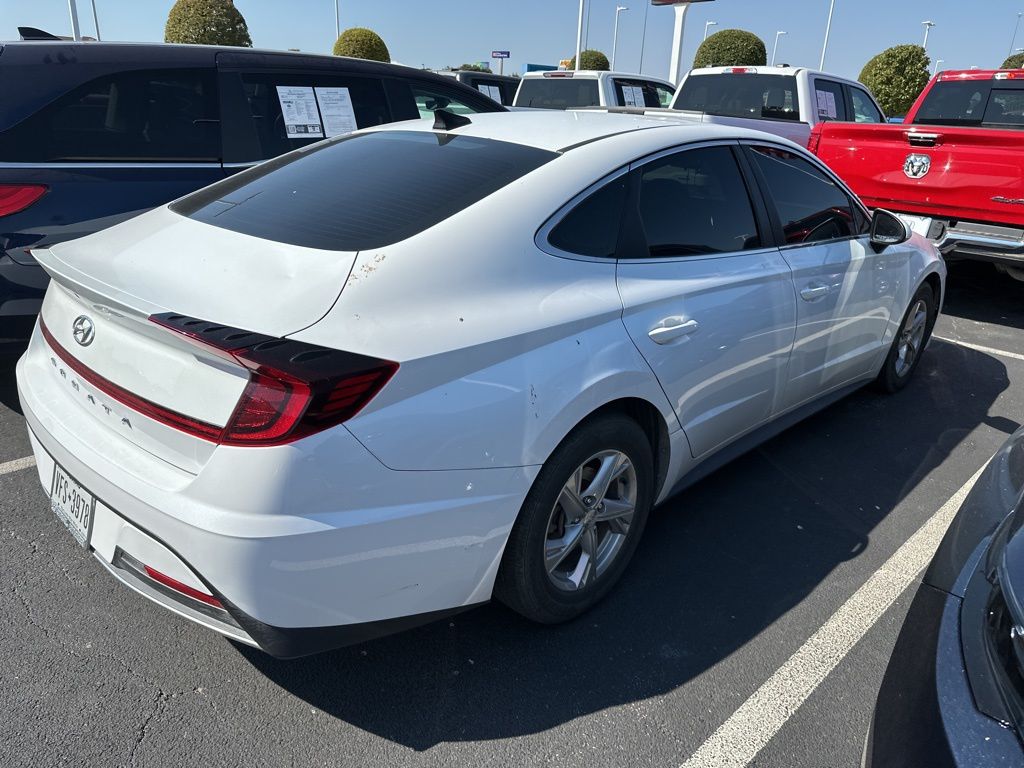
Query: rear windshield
point(362, 191)
point(769, 97)
point(558, 93)
point(973, 103)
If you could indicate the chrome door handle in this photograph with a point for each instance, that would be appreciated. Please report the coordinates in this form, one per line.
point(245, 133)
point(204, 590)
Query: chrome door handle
point(814, 291)
point(672, 328)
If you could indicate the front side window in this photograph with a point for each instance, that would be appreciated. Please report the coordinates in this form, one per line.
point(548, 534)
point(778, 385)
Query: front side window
point(558, 93)
point(828, 100)
point(744, 94)
point(811, 206)
point(429, 100)
point(592, 227)
point(664, 94)
point(143, 115)
point(864, 109)
point(639, 93)
point(696, 202)
point(364, 190)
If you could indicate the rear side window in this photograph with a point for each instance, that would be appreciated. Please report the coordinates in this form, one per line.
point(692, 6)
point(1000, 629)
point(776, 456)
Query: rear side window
point(811, 206)
point(828, 100)
point(592, 227)
point(864, 109)
point(364, 190)
point(1005, 107)
point(429, 100)
point(640, 93)
point(558, 93)
point(260, 129)
point(771, 97)
point(143, 115)
point(696, 202)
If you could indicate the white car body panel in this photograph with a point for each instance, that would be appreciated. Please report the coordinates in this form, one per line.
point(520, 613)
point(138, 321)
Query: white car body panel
point(503, 349)
point(605, 84)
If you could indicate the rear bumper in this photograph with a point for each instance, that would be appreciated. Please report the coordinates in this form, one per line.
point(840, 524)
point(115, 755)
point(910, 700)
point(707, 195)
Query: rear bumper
point(308, 546)
point(986, 242)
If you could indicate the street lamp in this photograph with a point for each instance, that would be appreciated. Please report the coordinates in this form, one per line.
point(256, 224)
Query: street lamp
point(337, 21)
point(828, 28)
point(775, 48)
point(709, 24)
point(615, 38)
point(927, 28)
point(579, 36)
point(76, 33)
point(95, 20)
point(935, 71)
point(1013, 40)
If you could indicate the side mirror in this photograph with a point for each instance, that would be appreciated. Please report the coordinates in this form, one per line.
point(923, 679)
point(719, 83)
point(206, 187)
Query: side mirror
point(887, 229)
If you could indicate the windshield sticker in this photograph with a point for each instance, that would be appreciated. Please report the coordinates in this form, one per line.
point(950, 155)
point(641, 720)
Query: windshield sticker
point(298, 107)
point(337, 110)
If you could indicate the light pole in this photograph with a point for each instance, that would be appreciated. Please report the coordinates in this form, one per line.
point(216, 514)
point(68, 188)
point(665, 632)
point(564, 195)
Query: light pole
point(643, 38)
point(95, 20)
point(615, 37)
point(76, 33)
point(935, 71)
point(1013, 40)
point(775, 48)
point(828, 28)
point(709, 24)
point(337, 21)
point(927, 28)
point(579, 36)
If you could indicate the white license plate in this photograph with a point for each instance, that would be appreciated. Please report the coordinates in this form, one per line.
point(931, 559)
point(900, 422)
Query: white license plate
point(72, 504)
point(918, 224)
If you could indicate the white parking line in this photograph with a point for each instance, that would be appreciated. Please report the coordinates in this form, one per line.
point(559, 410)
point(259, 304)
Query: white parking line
point(17, 464)
point(740, 738)
point(979, 348)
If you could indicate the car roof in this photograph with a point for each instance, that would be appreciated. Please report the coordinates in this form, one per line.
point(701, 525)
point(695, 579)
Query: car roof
point(558, 131)
point(569, 74)
point(768, 70)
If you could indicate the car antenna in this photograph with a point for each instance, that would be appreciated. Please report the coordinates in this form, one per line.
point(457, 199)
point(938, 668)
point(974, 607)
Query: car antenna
point(448, 121)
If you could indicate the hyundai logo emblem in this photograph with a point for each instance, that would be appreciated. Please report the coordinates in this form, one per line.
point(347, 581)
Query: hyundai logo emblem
point(83, 330)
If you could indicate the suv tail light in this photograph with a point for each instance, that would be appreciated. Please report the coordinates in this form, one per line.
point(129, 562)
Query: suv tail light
point(295, 389)
point(18, 197)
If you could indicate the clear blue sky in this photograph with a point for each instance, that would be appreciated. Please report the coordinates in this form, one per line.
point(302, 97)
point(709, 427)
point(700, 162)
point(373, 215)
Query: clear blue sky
point(455, 31)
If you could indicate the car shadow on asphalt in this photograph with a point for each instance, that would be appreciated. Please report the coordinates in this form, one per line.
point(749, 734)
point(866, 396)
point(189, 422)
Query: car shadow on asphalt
point(976, 291)
point(718, 565)
point(9, 355)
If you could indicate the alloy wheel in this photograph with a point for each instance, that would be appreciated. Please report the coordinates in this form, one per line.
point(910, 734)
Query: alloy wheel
point(911, 338)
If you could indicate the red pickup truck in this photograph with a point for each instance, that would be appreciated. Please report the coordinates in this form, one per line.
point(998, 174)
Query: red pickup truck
point(953, 170)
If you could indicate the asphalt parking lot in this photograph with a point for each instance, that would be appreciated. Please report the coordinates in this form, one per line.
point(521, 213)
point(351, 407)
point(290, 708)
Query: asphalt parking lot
point(732, 578)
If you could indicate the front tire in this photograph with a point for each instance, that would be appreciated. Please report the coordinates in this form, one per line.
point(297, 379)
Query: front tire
point(910, 341)
point(580, 523)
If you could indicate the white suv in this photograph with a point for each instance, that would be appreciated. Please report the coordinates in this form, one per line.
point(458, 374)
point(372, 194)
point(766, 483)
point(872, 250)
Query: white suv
point(566, 89)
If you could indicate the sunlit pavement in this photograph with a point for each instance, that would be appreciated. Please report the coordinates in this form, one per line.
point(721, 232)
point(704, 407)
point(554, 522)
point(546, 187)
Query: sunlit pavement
point(732, 578)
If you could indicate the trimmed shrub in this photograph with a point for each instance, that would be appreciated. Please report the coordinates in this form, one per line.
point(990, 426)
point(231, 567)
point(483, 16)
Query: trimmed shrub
point(1013, 62)
point(731, 48)
point(361, 43)
point(897, 76)
point(206, 22)
point(591, 60)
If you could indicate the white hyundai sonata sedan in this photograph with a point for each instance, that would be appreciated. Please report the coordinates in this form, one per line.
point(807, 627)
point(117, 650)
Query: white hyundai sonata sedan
point(389, 376)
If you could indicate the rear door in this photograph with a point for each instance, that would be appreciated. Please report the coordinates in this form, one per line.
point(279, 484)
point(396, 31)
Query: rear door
point(708, 299)
point(844, 290)
point(108, 149)
point(829, 100)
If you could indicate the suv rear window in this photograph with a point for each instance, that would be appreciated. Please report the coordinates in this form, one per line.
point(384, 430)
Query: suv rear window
point(558, 93)
point(768, 97)
point(364, 190)
point(141, 115)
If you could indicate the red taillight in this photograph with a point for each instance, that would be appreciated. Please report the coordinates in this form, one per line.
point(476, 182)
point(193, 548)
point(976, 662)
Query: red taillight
point(742, 70)
point(295, 389)
point(184, 589)
point(18, 197)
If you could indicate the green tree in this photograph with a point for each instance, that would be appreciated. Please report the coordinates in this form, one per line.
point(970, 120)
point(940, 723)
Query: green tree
point(897, 76)
point(361, 43)
point(206, 22)
point(591, 60)
point(471, 68)
point(731, 48)
point(1014, 62)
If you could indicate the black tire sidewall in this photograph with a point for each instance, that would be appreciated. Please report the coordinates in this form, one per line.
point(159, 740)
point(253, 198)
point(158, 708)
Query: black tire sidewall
point(888, 379)
point(523, 583)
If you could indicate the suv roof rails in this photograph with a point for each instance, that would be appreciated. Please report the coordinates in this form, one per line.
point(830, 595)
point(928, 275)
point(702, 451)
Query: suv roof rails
point(31, 33)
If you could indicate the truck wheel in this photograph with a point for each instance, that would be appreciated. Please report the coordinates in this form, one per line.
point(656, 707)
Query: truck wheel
point(580, 523)
point(910, 341)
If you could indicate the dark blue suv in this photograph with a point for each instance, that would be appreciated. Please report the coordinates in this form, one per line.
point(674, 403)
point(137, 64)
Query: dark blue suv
point(94, 133)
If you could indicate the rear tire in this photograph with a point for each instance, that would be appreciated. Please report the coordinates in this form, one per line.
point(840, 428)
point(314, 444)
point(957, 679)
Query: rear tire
point(910, 341)
point(572, 541)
